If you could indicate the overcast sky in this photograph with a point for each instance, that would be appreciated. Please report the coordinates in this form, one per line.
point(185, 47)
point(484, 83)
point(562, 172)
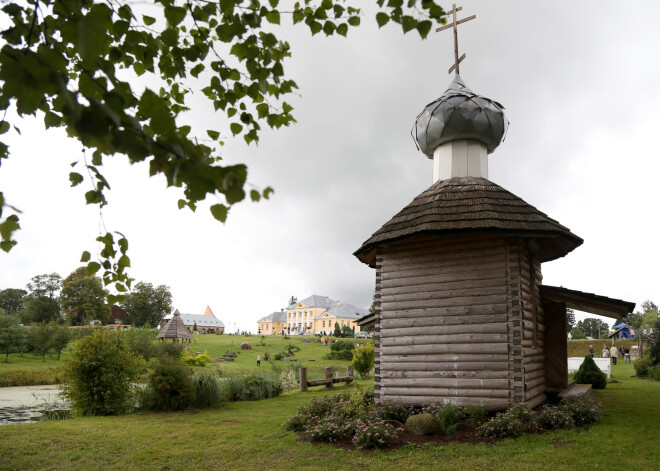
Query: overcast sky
point(579, 81)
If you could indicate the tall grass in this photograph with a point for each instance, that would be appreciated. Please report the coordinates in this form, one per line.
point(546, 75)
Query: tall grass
point(208, 393)
point(31, 377)
point(252, 387)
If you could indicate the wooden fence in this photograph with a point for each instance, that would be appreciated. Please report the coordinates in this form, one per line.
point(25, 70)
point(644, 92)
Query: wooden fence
point(328, 381)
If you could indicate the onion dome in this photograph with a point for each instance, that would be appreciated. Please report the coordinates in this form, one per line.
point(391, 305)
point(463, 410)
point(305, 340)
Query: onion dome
point(460, 114)
point(463, 206)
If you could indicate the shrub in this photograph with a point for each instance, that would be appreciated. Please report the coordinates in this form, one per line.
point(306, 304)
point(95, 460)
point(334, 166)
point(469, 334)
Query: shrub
point(341, 350)
point(172, 350)
point(252, 387)
point(503, 425)
point(374, 433)
point(552, 417)
point(584, 410)
point(99, 373)
point(278, 356)
point(394, 411)
point(476, 415)
point(642, 367)
point(328, 431)
point(201, 359)
point(654, 373)
point(451, 417)
point(39, 338)
point(13, 337)
point(422, 424)
point(290, 350)
point(172, 386)
point(589, 373)
point(289, 380)
point(208, 394)
point(363, 359)
point(142, 342)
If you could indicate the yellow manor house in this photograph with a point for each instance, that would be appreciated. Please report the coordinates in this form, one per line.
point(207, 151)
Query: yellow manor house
point(312, 315)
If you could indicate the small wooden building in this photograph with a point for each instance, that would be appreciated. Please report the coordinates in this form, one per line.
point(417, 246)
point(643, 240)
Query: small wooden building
point(175, 329)
point(460, 314)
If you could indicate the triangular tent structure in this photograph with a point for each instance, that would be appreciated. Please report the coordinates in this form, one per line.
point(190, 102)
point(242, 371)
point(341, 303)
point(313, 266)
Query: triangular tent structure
point(175, 329)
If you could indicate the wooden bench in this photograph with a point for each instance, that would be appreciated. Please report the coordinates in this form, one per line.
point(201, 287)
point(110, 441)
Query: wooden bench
point(329, 381)
point(311, 359)
point(290, 359)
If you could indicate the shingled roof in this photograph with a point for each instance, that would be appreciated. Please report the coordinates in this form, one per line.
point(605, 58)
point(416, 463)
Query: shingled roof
point(174, 329)
point(471, 205)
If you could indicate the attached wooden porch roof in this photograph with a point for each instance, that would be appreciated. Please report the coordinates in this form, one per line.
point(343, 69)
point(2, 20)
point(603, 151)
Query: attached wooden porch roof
point(588, 302)
point(368, 321)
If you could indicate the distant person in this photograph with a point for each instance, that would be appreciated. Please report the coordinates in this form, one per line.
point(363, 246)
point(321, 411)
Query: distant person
point(591, 350)
point(259, 361)
point(626, 353)
point(615, 354)
point(606, 352)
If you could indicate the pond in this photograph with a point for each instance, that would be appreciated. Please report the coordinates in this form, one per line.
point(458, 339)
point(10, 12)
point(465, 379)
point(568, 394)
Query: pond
point(29, 404)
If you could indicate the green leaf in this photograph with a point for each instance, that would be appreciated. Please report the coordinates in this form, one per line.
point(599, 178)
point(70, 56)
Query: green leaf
point(85, 257)
point(148, 20)
point(342, 29)
point(124, 261)
point(382, 19)
point(424, 27)
point(4, 127)
point(409, 23)
point(195, 71)
point(215, 135)
point(219, 212)
point(268, 191)
point(254, 195)
point(93, 34)
point(75, 178)
point(175, 15)
point(355, 20)
point(182, 203)
point(235, 128)
point(92, 268)
point(315, 27)
point(273, 17)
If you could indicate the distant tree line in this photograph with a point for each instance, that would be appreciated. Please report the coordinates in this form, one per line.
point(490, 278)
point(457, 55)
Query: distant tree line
point(647, 318)
point(81, 298)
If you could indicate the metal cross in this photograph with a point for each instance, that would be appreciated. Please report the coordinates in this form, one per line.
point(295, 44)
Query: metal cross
point(454, 24)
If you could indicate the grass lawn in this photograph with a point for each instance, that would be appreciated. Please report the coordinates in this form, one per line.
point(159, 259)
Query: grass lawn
point(249, 436)
point(29, 369)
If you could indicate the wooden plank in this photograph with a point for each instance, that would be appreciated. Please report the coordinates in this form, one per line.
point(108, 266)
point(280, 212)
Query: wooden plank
point(444, 339)
point(445, 348)
point(448, 285)
point(443, 366)
point(445, 314)
point(476, 384)
point(394, 295)
point(408, 248)
point(459, 301)
point(488, 403)
point(448, 357)
point(439, 393)
point(440, 275)
point(449, 321)
point(492, 328)
point(462, 373)
point(449, 259)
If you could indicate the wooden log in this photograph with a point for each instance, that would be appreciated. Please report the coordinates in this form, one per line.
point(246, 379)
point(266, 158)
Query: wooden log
point(490, 404)
point(446, 315)
point(536, 401)
point(458, 301)
point(448, 357)
point(444, 339)
point(447, 286)
point(531, 393)
point(456, 322)
point(492, 328)
point(451, 257)
point(328, 375)
point(319, 382)
point(531, 383)
point(443, 392)
point(431, 276)
point(534, 366)
point(444, 366)
point(393, 295)
point(411, 248)
point(450, 383)
point(349, 371)
point(445, 348)
point(303, 379)
point(460, 373)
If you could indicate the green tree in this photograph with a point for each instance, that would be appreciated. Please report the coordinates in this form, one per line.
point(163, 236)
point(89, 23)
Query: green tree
point(46, 285)
point(337, 332)
point(148, 305)
point(83, 298)
point(92, 68)
point(293, 300)
point(363, 359)
point(11, 300)
point(594, 328)
point(42, 304)
point(40, 338)
point(570, 319)
point(13, 337)
point(577, 334)
point(99, 374)
point(634, 320)
point(59, 338)
point(649, 314)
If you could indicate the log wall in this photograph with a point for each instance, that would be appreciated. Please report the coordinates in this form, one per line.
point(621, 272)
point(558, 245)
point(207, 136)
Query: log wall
point(442, 330)
point(459, 321)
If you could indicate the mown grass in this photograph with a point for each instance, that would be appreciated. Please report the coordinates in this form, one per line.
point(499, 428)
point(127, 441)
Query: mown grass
point(580, 348)
point(29, 369)
point(249, 435)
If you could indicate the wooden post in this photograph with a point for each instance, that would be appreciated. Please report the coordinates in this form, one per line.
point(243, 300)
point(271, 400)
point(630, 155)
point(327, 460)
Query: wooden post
point(328, 376)
point(349, 371)
point(303, 379)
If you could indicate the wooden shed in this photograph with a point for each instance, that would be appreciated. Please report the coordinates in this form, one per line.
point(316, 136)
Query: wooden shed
point(460, 314)
point(175, 329)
